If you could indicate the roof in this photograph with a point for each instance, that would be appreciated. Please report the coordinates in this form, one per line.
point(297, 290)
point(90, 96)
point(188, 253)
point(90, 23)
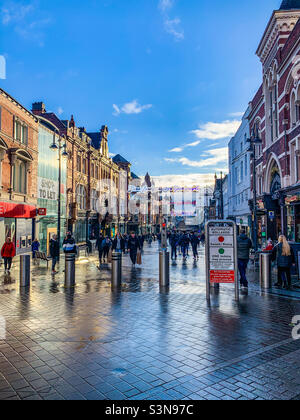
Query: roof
point(120, 159)
point(290, 5)
point(134, 176)
point(96, 139)
point(50, 116)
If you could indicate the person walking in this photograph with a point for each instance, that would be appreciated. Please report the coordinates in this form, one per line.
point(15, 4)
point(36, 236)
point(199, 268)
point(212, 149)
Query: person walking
point(99, 246)
point(285, 257)
point(173, 243)
point(184, 243)
point(54, 252)
point(195, 243)
point(8, 252)
point(133, 247)
point(244, 245)
point(106, 248)
point(118, 244)
point(35, 246)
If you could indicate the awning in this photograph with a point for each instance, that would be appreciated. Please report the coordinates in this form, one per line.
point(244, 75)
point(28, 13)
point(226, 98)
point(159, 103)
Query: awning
point(15, 210)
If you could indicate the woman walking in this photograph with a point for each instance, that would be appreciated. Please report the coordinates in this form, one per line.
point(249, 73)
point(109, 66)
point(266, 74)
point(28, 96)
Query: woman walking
point(8, 252)
point(285, 257)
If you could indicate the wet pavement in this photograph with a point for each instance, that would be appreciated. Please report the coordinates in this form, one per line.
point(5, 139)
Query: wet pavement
point(92, 343)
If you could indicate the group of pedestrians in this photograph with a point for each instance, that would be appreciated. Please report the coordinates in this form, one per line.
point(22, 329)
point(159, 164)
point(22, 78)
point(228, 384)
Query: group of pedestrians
point(180, 243)
point(131, 244)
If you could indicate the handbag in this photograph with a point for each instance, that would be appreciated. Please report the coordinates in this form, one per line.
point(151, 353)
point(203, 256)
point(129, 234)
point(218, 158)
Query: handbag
point(139, 258)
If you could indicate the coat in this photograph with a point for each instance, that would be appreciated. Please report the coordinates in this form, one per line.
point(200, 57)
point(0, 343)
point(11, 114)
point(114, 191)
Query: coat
point(244, 245)
point(54, 248)
point(8, 250)
point(134, 244)
point(282, 260)
point(115, 244)
point(69, 246)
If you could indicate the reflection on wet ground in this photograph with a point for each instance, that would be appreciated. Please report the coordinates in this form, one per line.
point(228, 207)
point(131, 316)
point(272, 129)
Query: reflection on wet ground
point(143, 343)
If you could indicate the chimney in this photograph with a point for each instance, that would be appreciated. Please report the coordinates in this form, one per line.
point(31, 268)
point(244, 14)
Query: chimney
point(38, 108)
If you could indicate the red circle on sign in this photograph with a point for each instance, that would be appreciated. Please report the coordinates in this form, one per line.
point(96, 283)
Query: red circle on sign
point(221, 239)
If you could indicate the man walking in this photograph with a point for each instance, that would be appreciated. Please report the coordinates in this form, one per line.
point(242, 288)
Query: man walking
point(133, 247)
point(195, 243)
point(244, 245)
point(174, 243)
point(54, 252)
point(99, 246)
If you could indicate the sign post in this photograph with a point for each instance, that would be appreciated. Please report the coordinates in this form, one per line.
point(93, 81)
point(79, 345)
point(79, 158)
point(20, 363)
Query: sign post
point(221, 255)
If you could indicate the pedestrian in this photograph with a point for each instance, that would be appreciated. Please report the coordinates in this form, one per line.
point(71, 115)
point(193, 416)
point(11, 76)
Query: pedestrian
point(8, 252)
point(173, 243)
point(118, 244)
point(99, 247)
point(285, 257)
point(106, 244)
point(269, 246)
point(69, 244)
point(195, 243)
point(54, 252)
point(244, 245)
point(184, 243)
point(133, 247)
point(35, 246)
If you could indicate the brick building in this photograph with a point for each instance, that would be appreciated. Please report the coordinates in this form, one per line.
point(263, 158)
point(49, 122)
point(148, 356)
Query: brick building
point(275, 119)
point(18, 160)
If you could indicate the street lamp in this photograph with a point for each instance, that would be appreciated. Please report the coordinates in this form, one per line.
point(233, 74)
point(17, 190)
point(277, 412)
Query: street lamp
point(62, 153)
point(254, 141)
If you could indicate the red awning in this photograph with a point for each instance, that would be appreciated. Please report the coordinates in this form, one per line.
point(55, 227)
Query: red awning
point(14, 210)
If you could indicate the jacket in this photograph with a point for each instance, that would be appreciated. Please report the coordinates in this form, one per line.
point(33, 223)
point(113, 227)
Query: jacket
point(99, 243)
point(8, 250)
point(244, 245)
point(115, 244)
point(54, 248)
point(134, 244)
point(283, 261)
point(35, 246)
point(69, 246)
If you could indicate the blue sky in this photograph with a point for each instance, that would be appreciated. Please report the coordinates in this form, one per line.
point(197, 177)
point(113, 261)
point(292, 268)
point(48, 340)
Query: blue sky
point(170, 78)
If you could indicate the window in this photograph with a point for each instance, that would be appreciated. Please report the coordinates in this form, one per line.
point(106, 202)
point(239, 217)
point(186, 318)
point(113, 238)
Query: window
point(92, 170)
point(20, 177)
point(94, 200)
point(21, 132)
point(84, 168)
point(242, 171)
point(97, 172)
point(81, 197)
point(246, 165)
point(78, 163)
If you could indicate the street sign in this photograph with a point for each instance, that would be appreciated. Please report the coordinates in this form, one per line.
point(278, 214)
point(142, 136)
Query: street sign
point(221, 255)
point(42, 212)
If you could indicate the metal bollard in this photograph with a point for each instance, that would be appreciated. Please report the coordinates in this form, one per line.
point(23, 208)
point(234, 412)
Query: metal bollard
point(265, 270)
point(164, 269)
point(70, 270)
point(24, 270)
point(116, 270)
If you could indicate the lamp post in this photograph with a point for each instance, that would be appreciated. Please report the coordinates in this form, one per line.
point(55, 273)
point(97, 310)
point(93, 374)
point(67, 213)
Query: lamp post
point(254, 141)
point(62, 153)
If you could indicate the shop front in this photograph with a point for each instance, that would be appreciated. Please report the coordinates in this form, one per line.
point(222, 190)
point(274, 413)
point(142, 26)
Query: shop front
point(17, 221)
point(292, 202)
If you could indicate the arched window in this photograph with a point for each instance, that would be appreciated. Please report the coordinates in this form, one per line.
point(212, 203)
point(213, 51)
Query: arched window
point(81, 197)
point(20, 161)
point(293, 109)
point(94, 200)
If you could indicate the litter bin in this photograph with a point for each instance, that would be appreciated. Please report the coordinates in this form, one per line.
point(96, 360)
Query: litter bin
point(265, 270)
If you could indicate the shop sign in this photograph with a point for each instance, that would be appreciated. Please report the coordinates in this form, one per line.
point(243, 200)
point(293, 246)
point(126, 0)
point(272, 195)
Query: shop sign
point(271, 215)
point(42, 212)
point(292, 199)
point(47, 189)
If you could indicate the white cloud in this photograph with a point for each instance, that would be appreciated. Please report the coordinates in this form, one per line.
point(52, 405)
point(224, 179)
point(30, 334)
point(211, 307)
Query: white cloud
point(186, 180)
point(60, 111)
point(216, 131)
point(181, 148)
point(210, 158)
point(130, 108)
point(236, 114)
point(13, 12)
point(165, 5)
point(172, 27)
